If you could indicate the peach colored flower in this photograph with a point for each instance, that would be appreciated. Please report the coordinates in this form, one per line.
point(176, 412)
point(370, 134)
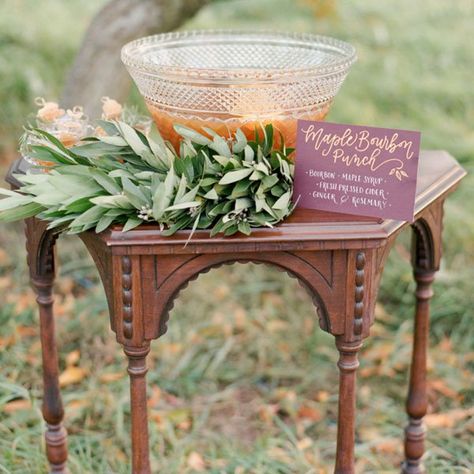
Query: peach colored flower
point(100, 132)
point(111, 109)
point(49, 111)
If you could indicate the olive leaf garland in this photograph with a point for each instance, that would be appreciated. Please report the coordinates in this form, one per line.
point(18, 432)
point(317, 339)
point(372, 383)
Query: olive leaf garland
point(124, 177)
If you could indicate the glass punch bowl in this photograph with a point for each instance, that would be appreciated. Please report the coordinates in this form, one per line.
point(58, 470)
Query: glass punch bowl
point(232, 79)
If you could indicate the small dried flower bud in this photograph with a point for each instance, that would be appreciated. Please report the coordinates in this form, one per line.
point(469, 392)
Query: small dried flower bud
point(111, 109)
point(49, 111)
point(68, 139)
point(100, 132)
point(76, 113)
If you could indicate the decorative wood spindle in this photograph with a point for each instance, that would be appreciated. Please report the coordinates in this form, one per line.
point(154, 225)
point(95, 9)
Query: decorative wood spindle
point(53, 413)
point(140, 445)
point(348, 364)
point(127, 296)
point(417, 401)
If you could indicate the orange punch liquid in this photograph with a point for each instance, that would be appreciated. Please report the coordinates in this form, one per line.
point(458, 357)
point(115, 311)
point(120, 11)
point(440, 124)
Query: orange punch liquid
point(286, 125)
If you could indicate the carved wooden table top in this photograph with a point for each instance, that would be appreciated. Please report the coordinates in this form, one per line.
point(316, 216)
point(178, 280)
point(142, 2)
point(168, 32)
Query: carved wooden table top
point(338, 258)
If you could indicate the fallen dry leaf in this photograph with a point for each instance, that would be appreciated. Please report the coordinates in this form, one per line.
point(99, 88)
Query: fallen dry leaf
point(24, 301)
point(172, 348)
point(322, 396)
point(387, 446)
point(381, 313)
point(111, 377)
point(279, 454)
point(308, 325)
point(446, 345)
point(222, 291)
point(309, 413)
point(304, 443)
point(449, 418)
point(277, 325)
point(71, 376)
point(285, 394)
point(7, 341)
point(155, 397)
point(196, 461)
point(26, 331)
point(4, 258)
point(240, 318)
point(16, 405)
point(156, 416)
point(379, 352)
point(5, 282)
point(440, 386)
point(73, 358)
point(268, 412)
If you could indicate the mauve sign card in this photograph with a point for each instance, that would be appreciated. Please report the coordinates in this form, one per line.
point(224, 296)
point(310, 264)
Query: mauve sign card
point(352, 169)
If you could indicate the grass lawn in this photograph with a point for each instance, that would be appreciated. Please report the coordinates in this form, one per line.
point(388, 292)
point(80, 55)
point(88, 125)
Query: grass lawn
point(244, 381)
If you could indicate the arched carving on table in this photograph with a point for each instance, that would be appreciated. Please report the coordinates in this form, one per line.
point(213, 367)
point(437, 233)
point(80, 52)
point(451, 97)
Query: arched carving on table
point(103, 262)
point(40, 247)
point(311, 278)
point(40, 244)
point(424, 252)
point(426, 242)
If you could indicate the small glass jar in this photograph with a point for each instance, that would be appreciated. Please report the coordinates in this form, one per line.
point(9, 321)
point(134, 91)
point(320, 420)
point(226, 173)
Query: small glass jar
point(69, 128)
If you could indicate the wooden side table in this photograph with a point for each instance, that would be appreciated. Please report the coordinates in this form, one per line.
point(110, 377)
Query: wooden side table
point(338, 258)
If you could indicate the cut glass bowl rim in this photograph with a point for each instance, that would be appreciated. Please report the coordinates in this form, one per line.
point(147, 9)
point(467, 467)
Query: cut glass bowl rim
point(344, 55)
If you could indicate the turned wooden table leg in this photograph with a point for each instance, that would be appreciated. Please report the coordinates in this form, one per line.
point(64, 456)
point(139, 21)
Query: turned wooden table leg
point(140, 445)
point(348, 365)
point(56, 436)
point(417, 397)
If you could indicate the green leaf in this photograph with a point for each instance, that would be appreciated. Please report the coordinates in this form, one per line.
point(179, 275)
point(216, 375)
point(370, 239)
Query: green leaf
point(131, 223)
point(268, 139)
point(244, 227)
point(21, 212)
point(119, 201)
point(240, 143)
point(108, 127)
point(222, 160)
point(52, 198)
point(115, 141)
point(256, 175)
point(77, 205)
point(61, 221)
point(241, 189)
point(91, 216)
point(243, 203)
point(74, 185)
point(8, 192)
point(234, 176)
point(220, 145)
point(181, 223)
point(221, 208)
point(194, 136)
point(283, 201)
point(134, 194)
point(183, 205)
point(249, 154)
point(261, 167)
point(163, 195)
point(13, 203)
point(132, 138)
point(212, 194)
point(269, 181)
point(104, 180)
